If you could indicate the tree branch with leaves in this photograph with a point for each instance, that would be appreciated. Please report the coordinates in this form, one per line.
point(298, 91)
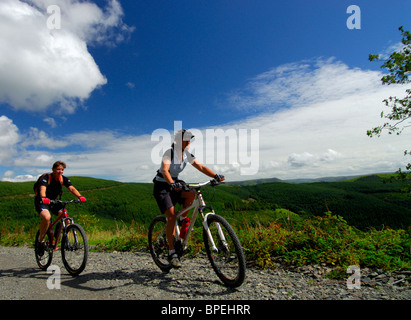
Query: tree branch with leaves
point(399, 118)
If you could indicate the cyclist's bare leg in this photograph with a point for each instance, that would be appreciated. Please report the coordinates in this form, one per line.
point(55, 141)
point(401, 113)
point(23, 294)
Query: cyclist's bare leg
point(170, 227)
point(57, 230)
point(188, 197)
point(44, 224)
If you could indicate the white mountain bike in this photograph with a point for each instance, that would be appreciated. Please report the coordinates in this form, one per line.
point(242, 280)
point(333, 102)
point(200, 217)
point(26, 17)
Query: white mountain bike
point(221, 243)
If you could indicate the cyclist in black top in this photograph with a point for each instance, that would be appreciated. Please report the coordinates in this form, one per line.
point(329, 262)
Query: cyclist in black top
point(50, 187)
point(168, 189)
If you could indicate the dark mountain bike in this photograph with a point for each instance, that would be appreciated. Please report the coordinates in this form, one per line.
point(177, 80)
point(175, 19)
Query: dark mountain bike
point(74, 244)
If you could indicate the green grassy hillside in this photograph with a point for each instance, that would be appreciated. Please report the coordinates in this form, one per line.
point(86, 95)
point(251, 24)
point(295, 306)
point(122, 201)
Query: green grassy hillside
point(363, 202)
point(369, 226)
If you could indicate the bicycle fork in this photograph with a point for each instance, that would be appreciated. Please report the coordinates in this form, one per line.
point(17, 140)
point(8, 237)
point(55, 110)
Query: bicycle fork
point(221, 236)
point(66, 222)
point(207, 229)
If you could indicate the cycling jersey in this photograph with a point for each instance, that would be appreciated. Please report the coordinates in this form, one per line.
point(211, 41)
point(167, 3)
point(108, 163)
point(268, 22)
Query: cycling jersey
point(175, 166)
point(54, 187)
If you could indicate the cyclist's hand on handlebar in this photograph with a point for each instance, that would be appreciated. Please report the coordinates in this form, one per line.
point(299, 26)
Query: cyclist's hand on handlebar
point(177, 186)
point(82, 199)
point(219, 177)
point(45, 200)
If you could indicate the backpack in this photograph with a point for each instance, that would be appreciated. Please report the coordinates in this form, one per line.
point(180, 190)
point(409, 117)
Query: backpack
point(37, 183)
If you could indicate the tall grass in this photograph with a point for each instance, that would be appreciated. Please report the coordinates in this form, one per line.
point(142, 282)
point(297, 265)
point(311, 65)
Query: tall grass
point(122, 237)
point(16, 234)
point(326, 240)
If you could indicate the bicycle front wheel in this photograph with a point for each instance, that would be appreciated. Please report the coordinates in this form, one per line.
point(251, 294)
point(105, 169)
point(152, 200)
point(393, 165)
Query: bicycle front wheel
point(44, 255)
point(226, 256)
point(74, 249)
point(157, 242)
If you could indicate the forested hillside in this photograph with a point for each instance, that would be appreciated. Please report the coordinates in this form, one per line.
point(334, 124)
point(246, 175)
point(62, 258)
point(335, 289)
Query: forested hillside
point(363, 202)
point(369, 223)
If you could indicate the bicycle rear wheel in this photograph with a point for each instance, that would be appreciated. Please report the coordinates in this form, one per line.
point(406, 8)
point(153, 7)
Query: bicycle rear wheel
point(74, 249)
point(157, 242)
point(227, 258)
point(45, 257)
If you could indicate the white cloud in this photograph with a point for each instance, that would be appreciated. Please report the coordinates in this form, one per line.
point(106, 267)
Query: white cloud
point(51, 121)
point(88, 21)
point(301, 159)
point(397, 47)
point(40, 67)
point(316, 135)
point(9, 137)
point(130, 85)
point(21, 178)
point(39, 138)
point(104, 154)
point(322, 129)
point(303, 83)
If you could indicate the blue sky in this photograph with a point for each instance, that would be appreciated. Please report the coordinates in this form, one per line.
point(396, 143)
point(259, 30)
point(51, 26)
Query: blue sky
point(93, 91)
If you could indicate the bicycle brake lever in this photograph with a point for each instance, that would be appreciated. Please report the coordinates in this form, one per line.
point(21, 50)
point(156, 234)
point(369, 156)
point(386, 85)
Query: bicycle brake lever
point(213, 182)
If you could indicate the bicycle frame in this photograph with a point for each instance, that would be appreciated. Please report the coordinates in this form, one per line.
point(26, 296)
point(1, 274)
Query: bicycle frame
point(199, 206)
point(65, 222)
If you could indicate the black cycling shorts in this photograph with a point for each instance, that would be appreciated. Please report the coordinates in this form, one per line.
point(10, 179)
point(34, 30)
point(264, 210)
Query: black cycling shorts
point(53, 208)
point(165, 197)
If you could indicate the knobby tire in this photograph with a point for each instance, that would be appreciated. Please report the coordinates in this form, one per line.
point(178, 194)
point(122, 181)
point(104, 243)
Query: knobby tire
point(157, 243)
point(45, 260)
point(228, 265)
point(69, 247)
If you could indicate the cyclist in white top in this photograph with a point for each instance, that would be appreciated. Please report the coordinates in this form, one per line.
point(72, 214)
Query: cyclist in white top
point(168, 189)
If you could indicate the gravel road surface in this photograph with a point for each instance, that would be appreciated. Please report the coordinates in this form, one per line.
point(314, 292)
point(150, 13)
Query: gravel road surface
point(133, 276)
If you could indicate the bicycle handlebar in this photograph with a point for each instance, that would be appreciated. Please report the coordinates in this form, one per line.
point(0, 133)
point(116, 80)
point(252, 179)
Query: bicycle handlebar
point(212, 182)
point(65, 202)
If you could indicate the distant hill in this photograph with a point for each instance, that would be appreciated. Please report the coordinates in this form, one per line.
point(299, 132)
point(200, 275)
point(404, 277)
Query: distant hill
point(255, 181)
point(364, 201)
point(302, 180)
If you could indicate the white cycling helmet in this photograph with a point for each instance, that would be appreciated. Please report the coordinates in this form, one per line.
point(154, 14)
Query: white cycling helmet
point(183, 135)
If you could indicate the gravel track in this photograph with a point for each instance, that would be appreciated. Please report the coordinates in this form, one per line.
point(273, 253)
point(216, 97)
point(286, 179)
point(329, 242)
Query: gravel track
point(134, 276)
